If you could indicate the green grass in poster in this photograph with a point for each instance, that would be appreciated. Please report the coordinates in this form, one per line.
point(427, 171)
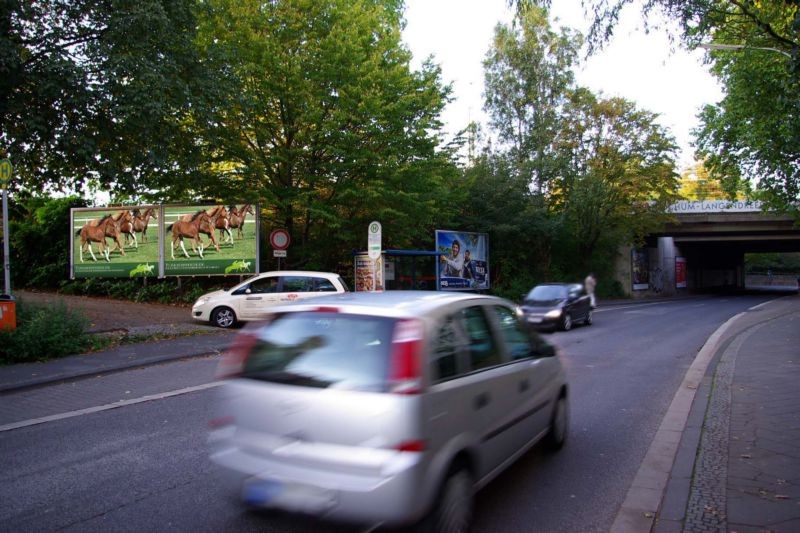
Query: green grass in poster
point(134, 258)
point(236, 254)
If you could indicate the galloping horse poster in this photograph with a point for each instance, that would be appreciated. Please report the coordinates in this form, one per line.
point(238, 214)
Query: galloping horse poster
point(210, 239)
point(159, 241)
point(115, 242)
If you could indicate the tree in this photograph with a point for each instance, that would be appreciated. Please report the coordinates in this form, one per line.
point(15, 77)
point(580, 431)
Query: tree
point(528, 71)
point(319, 117)
point(619, 177)
point(499, 202)
point(96, 90)
point(749, 140)
point(696, 183)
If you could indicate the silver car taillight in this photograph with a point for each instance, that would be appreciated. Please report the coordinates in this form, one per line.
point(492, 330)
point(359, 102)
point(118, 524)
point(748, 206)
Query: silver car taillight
point(405, 361)
point(233, 359)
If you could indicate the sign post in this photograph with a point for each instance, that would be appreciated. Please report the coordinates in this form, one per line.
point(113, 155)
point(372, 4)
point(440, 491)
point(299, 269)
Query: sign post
point(5, 179)
point(374, 249)
point(8, 316)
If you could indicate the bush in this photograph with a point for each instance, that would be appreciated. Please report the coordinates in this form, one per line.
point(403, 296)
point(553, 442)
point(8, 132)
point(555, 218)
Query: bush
point(163, 291)
point(44, 332)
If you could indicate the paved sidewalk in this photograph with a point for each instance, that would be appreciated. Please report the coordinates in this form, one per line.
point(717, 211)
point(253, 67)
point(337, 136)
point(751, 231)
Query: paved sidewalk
point(737, 467)
point(25, 375)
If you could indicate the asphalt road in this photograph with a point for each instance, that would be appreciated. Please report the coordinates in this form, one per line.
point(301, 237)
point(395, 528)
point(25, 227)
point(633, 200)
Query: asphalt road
point(114, 453)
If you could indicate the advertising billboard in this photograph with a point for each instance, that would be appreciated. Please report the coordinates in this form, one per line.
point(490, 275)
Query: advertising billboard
point(464, 260)
point(121, 242)
point(158, 241)
point(210, 239)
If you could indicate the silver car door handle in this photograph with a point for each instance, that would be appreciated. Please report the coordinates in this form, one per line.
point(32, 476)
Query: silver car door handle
point(481, 400)
point(254, 298)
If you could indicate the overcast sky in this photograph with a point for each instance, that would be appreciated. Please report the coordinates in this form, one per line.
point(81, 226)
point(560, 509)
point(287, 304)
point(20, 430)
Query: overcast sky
point(646, 68)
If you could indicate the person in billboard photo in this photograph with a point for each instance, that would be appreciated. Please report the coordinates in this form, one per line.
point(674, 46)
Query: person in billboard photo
point(469, 266)
point(454, 263)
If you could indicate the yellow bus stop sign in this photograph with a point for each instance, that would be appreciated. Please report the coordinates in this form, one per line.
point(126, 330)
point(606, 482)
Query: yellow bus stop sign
point(5, 173)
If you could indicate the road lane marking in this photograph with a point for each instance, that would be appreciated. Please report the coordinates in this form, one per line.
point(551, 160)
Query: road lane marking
point(618, 307)
point(108, 406)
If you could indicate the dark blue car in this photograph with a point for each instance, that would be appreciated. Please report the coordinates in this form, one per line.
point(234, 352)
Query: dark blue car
point(557, 306)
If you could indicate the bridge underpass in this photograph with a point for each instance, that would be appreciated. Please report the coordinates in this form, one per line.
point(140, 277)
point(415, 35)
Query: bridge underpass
point(708, 242)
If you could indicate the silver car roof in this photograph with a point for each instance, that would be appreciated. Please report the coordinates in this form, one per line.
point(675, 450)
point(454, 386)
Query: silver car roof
point(388, 303)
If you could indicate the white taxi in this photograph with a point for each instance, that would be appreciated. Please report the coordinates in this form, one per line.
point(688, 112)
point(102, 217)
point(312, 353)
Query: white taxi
point(249, 299)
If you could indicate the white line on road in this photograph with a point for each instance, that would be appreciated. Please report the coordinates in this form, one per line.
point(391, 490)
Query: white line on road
point(618, 307)
point(106, 407)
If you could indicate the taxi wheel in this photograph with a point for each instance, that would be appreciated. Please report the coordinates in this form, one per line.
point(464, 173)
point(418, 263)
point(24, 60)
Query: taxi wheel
point(223, 317)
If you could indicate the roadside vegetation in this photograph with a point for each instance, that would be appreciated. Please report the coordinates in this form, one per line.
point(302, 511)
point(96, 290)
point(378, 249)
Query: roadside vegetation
point(44, 332)
point(313, 111)
point(47, 331)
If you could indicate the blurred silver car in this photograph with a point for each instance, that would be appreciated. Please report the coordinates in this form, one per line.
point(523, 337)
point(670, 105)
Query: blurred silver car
point(384, 408)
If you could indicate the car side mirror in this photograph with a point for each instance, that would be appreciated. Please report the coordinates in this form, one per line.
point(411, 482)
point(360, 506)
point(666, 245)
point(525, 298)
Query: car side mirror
point(547, 350)
point(248, 290)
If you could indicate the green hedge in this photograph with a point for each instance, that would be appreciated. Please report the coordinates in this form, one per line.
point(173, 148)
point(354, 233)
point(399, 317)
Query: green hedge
point(44, 332)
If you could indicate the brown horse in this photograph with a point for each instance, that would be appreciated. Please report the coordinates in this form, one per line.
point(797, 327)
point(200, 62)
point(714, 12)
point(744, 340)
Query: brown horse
point(138, 224)
point(113, 231)
point(90, 233)
point(199, 223)
point(223, 224)
point(237, 216)
point(214, 213)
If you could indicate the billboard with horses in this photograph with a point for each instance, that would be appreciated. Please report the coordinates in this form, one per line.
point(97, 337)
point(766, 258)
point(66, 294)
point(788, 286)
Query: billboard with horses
point(210, 239)
point(115, 242)
point(183, 240)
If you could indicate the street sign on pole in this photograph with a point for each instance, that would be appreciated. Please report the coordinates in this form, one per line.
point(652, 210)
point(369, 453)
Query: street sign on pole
point(279, 239)
point(5, 178)
point(374, 240)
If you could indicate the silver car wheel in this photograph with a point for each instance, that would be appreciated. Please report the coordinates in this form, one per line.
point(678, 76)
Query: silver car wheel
point(559, 425)
point(455, 507)
point(223, 317)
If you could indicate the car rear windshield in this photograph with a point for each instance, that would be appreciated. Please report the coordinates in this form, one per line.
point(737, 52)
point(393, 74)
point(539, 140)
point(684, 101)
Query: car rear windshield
point(547, 293)
point(323, 349)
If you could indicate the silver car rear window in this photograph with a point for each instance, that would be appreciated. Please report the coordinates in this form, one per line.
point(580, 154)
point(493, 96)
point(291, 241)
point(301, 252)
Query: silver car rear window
point(323, 349)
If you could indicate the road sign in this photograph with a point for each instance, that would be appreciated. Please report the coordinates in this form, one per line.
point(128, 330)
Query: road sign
point(279, 239)
point(6, 170)
point(278, 253)
point(374, 240)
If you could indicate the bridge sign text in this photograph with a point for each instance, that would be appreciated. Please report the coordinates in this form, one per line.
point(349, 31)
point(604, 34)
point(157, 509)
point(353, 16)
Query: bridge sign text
point(715, 206)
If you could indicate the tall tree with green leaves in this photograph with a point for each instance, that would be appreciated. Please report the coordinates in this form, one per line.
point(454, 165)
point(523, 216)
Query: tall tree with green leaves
point(322, 120)
point(696, 183)
point(619, 177)
point(96, 90)
point(750, 139)
point(528, 72)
